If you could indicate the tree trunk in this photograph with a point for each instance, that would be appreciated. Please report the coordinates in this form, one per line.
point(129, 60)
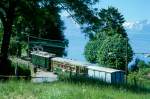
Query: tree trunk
point(5, 66)
point(6, 40)
point(6, 37)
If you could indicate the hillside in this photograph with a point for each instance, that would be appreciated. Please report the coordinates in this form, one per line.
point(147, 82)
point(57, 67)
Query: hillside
point(66, 90)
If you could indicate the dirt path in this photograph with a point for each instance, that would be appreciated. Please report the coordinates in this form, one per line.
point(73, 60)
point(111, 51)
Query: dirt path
point(44, 76)
point(148, 75)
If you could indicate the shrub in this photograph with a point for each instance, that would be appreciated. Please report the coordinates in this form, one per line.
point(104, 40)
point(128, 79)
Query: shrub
point(20, 68)
point(14, 48)
point(135, 78)
point(140, 65)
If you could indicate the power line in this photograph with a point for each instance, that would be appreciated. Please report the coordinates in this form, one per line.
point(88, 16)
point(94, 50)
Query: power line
point(66, 9)
point(43, 38)
point(137, 38)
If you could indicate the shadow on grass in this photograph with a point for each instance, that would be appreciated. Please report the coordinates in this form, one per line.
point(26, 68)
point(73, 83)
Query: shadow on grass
point(140, 89)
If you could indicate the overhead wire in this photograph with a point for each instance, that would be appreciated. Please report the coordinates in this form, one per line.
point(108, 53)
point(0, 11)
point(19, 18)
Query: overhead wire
point(66, 9)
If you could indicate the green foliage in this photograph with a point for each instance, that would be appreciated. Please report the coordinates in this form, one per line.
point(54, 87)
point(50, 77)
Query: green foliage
point(22, 68)
point(139, 74)
point(1, 31)
point(140, 65)
point(90, 51)
point(115, 52)
point(82, 12)
point(135, 78)
point(16, 47)
point(13, 47)
point(41, 18)
point(112, 22)
point(45, 24)
point(92, 47)
point(139, 77)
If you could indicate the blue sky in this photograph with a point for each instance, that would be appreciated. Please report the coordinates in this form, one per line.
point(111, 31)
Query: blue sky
point(133, 10)
point(137, 16)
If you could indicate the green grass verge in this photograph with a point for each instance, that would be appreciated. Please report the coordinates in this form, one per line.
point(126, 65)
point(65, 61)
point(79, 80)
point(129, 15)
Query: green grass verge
point(66, 90)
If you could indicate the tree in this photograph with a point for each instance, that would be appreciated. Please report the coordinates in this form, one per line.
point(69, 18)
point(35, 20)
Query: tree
point(1, 30)
point(7, 15)
point(115, 52)
point(10, 9)
point(90, 51)
point(92, 47)
point(46, 24)
point(114, 40)
point(112, 22)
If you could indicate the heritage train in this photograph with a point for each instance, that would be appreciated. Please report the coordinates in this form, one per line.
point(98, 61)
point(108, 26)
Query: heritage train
point(73, 67)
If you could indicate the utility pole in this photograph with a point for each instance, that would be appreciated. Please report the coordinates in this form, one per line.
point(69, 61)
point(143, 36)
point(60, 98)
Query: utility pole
point(126, 67)
point(28, 44)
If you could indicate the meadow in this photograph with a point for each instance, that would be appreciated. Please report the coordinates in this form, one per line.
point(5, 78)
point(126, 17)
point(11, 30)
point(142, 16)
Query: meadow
point(19, 89)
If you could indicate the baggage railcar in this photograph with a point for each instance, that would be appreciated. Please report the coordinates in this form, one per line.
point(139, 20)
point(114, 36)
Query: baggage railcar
point(108, 75)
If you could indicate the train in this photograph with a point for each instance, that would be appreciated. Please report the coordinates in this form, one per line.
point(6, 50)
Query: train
point(74, 68)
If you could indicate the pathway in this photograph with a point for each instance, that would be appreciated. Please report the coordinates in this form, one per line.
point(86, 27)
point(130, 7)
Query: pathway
point(44, 76)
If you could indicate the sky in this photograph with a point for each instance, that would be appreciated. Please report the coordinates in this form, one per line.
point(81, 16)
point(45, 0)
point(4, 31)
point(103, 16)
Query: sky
point(133, 10)
point(137, 16)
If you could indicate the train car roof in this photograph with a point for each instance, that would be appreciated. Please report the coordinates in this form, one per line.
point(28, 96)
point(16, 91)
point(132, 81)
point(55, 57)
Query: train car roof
point(95, 67)
point(73, 62)
point(103, 69)
point(42, 54)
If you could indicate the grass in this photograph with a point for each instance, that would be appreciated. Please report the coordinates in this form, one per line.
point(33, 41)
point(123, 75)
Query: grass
point(66, 90)
point(75, 88)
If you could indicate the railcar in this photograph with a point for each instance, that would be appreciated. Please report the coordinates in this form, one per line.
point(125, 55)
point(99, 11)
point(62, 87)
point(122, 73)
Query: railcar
point(67, 65)
point(77, 68)
point(108, 75)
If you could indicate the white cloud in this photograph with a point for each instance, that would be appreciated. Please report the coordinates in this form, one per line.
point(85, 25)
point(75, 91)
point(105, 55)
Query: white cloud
point(143, 25)
point(129, 25)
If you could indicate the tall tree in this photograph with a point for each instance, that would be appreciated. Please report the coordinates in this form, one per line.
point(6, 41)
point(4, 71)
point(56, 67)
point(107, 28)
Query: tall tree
point(7, 15)
point(112, 22)
point(46, 24)
point(115, 52)
point(10, 9)
point(114, 49)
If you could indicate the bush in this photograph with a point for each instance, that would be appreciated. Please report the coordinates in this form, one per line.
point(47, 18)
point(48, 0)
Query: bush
point(15, 47)
point(140, 65)
point(138, 75)
point(20, 68)
point(135, 78)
